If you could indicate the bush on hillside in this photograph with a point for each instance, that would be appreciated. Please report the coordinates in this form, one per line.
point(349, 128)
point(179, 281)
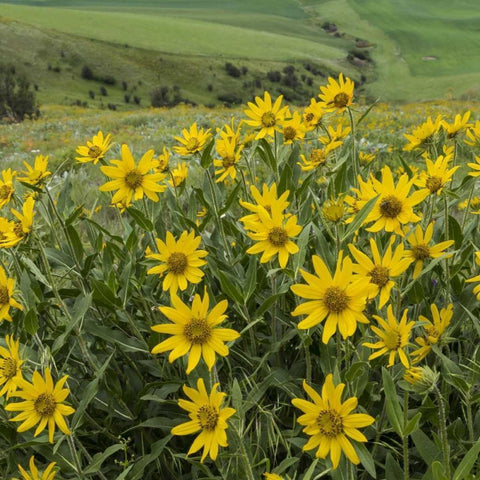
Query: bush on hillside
point(87, 73)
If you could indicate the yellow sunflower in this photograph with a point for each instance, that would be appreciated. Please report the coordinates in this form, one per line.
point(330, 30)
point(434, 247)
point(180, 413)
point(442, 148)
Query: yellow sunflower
point(337, 95)
point(340, 299)
point(381, 271)
point(474, 206)
point(7, 233)
point(230, 156)
point(266, 117)
point(273, 233)
point(10, 366)
point(394, 207)
point(329, 422)
point(317, 157)
point(43, 404)
point(48, 473)
point(312, 115)
point(22, 227)
point(180, 260)
point(459, 125)
point(272, 476)
point(194, 331)
point(335, 136)
point(393, 338)
point(365, 158)
point(95, 150)
point(193, 140)
point(6, 187)
point(424, 135)
point(433, 330)
point(160, 164)
point(334, 209)
point(473, 134)
point(206, 416)
point(437, 175)
point(178, 175)
point(37, 174)
point(293, 129)
point(421, 250)
point(7, 286)
point(131, 180)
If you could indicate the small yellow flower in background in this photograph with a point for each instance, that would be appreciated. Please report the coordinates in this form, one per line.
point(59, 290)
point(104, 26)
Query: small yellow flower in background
point(160, 165)
point(474, 205)
point(459, 124)
point(23, 225)
point(437, 174)
point(433, 331)
point(6, 187)
point(266, 117)
point(95, 150)
point(48, 473)
point(43, 404)
point(194, 331)
point(381, 271)
point(394, 207)
point(476, 289)
point(10, 366)
point(272, 476)
point(206, 416)
point(334, 210)
point(335, 135)
point(337, 96)
point(293, 129)
point(340, 299)
point(230, 133)
point(393, 339)
point(132, 181)
point(424, 135)
point(421, 251)
point(35, 175)
point(200, 214)
point(473, 135)
point(273, 232)
point(193, 140)
point(329, 422)
point(178, 175)
point(317, 157)
point(365, 158)
point(229, 158)
point(7, 286)
point(180, 260)
point(312, 115)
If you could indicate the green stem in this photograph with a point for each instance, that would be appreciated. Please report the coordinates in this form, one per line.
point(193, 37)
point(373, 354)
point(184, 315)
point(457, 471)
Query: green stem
point(73, 452)
point(443, 431)
point(308, 360)
point(468, 401)
point(406, 473)
point(356, 167)
point(447, 263)
point(467, 208)
point(245, 457)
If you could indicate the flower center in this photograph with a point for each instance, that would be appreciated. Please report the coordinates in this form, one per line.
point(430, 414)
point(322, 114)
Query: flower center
point(330, 423)
point(392, 340)
point(309, 117)
point(475, 203)
point(5, 192)
point(197, 331)
point(341, 100)
point(390, 206)
point(192, 144)
point(335, 299)
point(277, 236)
point(420, 252)
point(228, 162)
point(162, 165)
point(268, 119)
point(9, 368)
point(4, 295)
point(432, 332)
point(207, 417)
point(434, 184)
point(94, 151)
point(45, 405)
point(177, 262)
point(18, 230)
point(317, 156)
point(134, 179)
point(379, 276)
point(289, 133)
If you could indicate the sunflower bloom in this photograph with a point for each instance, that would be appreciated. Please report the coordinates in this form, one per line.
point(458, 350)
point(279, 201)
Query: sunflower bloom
point(10, 366)
point(180, 260)
point(329, 422)
point(312, 115)
point(433, 330)
point(131, 180)
point(273, 233)
point(43, 404)
point(421, 250)
point(459, 125)
point(7, 233)
point(474, 205)
point(22, 227)
point(473, 135)
point(7, 286)
point(194, 331)
point(381, 271)
point(394, 207)
point(38, 173)
point(193, 140)
point(335, 135)
point(293, 129)
point(393, 338)
point(6, 187)
point(160, 165)
point(266, 117)
point(317, 158)
point(424, 135)
point(230, 156)
point(48, 473)
point(437, 174)
point(95, 150)
point(272, 476)
point(340, 299)
point(337, 96)
point(207, 417)
point(178, 175)
point(365, 158)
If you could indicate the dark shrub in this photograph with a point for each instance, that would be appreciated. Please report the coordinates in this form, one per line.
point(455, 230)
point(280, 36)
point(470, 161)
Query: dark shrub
point(103, 91)
point(274, 76)
point(232, 70)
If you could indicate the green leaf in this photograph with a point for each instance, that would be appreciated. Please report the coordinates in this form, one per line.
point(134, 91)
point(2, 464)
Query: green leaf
point(359, 218)
point(99, 458)
point(265, 151)
point(206, 158)
point(394, 410)
point(229, 288)
point(393, 471)
point(156, 450)
point(36, 271)
point(74, 215)
point(76, 243)
point(426, 448)
point(251, 279)
point(412, 424)
point(140, 219)
point(311, 470)
point(438, 471)
point(30, 322)
point(467, 463)
point(366, 459)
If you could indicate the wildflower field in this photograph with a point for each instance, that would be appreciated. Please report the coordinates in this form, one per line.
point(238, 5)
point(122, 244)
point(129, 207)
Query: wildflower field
point(282, 293)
